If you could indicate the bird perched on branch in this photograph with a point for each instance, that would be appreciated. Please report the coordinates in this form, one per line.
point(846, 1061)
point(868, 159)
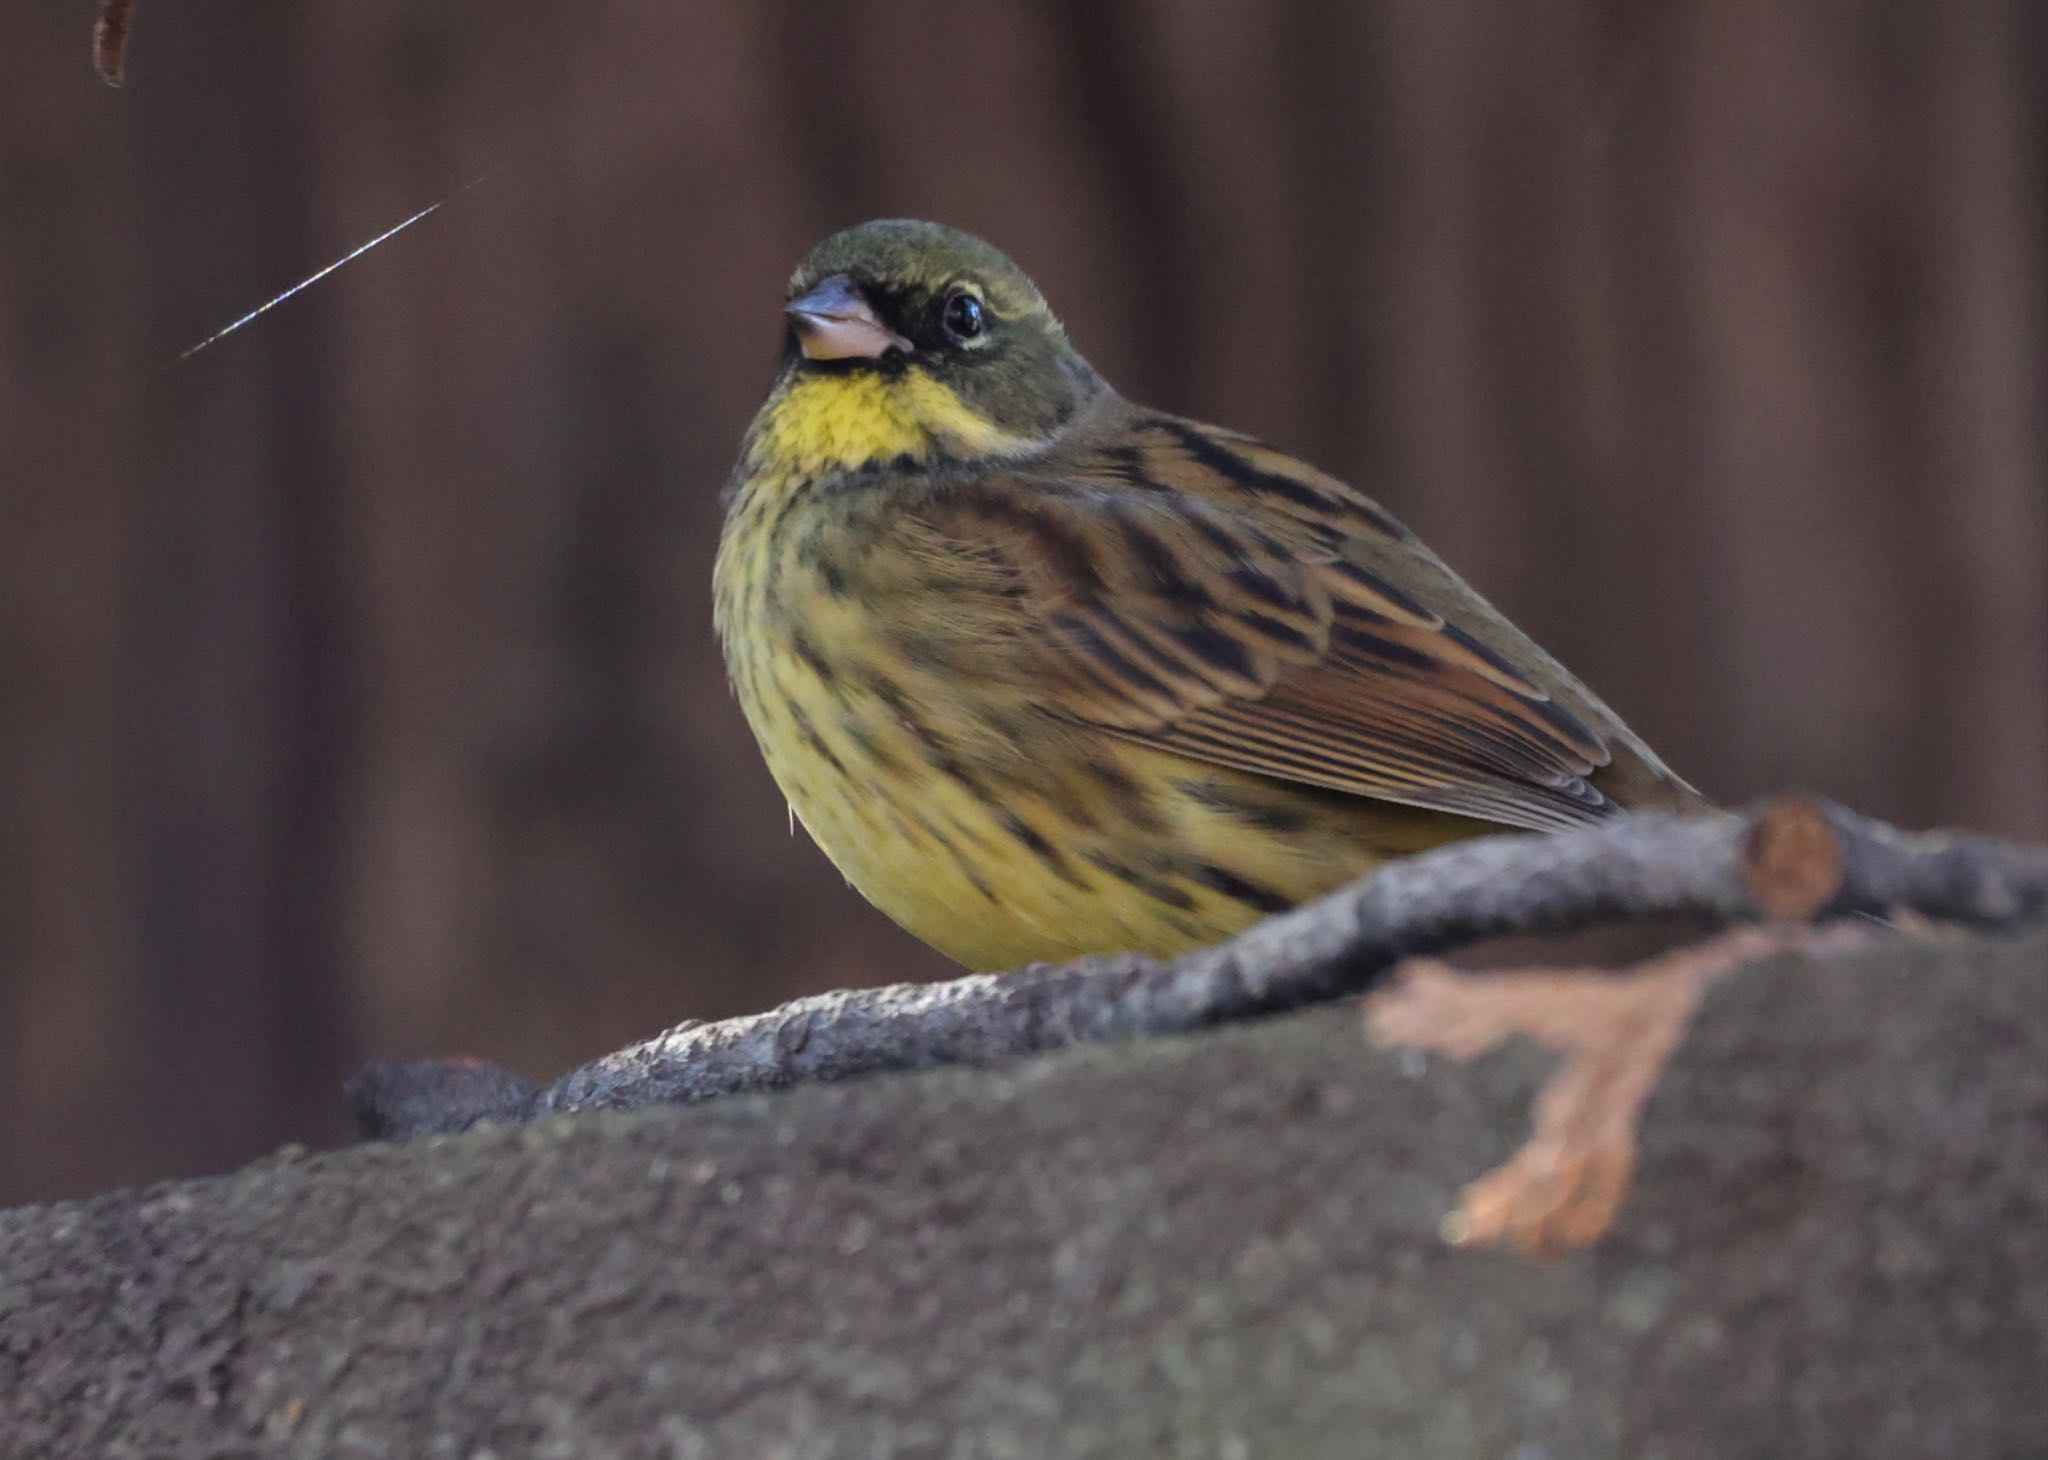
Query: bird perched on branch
point(1048, 673)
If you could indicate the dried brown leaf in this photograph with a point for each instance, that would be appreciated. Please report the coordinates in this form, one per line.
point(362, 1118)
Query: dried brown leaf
point(110, 40)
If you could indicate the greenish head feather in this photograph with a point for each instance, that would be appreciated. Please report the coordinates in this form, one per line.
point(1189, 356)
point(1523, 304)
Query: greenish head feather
point(1019, 373)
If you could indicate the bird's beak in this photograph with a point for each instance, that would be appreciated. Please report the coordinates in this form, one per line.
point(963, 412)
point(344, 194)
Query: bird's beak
point(833, 322)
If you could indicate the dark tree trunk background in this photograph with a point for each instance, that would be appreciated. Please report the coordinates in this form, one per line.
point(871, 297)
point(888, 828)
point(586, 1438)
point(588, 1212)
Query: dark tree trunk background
point(357, 693)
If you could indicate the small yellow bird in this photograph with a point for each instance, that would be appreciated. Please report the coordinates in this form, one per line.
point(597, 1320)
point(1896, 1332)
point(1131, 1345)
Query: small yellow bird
point(1047, 673)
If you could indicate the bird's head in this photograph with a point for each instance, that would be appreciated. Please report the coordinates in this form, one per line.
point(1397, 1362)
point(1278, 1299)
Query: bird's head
point(909, 339)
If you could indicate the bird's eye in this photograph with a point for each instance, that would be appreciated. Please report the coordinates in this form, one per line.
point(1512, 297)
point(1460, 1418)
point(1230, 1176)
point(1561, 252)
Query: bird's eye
point(962, 318)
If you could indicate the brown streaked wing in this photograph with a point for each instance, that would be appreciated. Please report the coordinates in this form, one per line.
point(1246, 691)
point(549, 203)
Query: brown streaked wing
point(1120, 609)
point(1194, 591)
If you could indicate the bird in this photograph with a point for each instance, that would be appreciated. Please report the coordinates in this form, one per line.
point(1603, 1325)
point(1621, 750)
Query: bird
point(1047, 673)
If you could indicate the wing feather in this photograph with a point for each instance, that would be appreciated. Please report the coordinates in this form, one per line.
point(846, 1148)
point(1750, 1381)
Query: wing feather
point(1193, 590)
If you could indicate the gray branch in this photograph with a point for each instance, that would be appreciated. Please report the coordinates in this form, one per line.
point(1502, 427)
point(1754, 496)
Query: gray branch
point(1721, 869)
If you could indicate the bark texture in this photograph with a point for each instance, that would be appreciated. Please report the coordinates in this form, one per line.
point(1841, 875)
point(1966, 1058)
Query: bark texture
point(1222, 1245)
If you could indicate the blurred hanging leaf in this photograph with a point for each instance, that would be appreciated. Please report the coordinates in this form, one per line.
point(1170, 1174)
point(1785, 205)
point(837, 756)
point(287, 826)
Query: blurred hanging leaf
point(110, 40)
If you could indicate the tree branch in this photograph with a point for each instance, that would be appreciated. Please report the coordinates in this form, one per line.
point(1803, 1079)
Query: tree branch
point(1790, 859)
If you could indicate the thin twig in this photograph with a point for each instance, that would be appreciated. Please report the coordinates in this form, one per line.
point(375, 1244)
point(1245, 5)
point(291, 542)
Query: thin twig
point(1792, 856)
point(1616, 1030)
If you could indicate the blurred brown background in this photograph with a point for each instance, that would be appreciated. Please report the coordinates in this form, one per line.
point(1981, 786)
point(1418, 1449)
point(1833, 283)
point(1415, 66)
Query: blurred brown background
point(357, 689)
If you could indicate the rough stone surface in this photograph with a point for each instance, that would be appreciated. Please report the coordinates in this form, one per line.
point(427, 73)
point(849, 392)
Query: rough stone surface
point(1219, 1246)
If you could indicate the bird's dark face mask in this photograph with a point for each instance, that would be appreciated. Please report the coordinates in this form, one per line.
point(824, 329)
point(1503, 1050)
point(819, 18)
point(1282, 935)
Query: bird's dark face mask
point(935, 347)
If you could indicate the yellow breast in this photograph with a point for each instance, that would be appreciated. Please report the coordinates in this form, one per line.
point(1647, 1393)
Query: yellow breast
point(988, 829)
point(942, 789)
